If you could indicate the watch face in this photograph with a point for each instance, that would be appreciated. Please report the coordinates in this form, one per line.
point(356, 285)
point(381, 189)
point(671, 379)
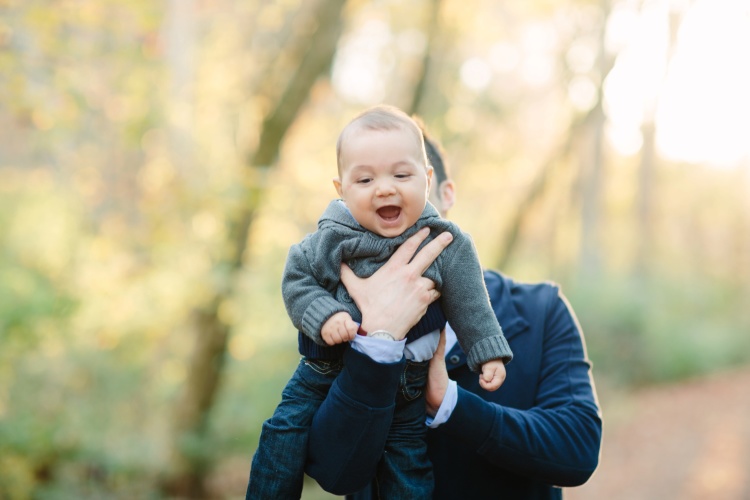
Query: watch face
point(382, 334)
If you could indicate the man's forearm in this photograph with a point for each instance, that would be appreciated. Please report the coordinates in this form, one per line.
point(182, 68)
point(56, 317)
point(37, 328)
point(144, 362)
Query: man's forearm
point(350, 428)
point(558, 446)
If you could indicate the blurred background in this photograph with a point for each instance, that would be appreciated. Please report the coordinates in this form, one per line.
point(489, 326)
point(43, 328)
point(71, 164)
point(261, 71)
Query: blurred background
point(158, 158)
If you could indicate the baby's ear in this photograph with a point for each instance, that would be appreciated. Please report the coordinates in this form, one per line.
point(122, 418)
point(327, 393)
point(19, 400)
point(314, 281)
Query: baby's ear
point(429, 171)
point(337, 185)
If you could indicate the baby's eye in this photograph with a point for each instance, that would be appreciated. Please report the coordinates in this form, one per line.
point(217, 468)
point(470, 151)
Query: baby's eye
point(403, 176)
point(364, 180)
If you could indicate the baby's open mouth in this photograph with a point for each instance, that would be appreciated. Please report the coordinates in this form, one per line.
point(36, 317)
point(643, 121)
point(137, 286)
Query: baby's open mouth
point(389, 213)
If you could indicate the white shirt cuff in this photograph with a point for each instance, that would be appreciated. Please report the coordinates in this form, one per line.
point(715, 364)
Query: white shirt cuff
point(446, 407)
point(423, 348)
point(380, 350)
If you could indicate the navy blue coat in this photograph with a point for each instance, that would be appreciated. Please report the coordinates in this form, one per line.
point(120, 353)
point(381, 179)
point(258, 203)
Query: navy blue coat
point(540, 430)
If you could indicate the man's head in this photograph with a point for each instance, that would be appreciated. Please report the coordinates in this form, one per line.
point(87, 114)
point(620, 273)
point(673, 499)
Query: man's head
point(384, 177)
point(443, 192)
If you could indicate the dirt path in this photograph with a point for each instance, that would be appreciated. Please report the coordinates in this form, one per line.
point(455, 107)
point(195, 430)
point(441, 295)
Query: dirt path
point(685, 441)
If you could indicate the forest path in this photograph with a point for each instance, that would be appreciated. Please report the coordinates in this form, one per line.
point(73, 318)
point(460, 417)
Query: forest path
point(688, 440)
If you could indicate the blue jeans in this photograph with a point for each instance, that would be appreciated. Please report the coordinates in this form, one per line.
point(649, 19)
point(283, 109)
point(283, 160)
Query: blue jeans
point(278, 466)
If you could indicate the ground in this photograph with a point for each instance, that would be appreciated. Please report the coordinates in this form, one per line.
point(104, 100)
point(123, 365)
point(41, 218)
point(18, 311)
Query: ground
point(688, 441)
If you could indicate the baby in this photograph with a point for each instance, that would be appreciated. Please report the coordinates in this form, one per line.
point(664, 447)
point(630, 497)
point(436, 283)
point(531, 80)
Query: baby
point(383, 184)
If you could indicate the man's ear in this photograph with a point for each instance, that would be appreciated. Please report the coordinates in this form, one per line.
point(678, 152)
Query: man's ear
point(337, 185)
point(447, 192)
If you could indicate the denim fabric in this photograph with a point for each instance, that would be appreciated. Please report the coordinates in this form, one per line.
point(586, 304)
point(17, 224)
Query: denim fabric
point(278, 466)
point(404, 471)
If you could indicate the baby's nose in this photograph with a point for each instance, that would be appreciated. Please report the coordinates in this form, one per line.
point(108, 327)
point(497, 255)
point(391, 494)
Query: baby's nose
point(385, 188)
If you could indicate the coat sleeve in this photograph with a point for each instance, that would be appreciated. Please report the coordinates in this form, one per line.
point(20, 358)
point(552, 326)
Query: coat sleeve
point(308, 302)
point(349, 430)
point(467, 307)
point(558, 440)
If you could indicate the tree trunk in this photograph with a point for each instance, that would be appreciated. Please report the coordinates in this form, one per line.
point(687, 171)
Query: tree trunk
point(539, 184)
point(179, 33)
point(317, 60)
point(649, 162)
point(589, 126)
point(592, 165)
point(646, 174)
point(190, 462)
point(433, 28)
point(741, 261)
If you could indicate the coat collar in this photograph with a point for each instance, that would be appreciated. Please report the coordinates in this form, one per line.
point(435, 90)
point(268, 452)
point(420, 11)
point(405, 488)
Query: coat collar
point(499, 288)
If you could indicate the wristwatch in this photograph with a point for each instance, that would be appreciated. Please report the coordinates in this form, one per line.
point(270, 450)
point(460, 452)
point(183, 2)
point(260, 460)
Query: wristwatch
point(382, 334)
point(378, 334)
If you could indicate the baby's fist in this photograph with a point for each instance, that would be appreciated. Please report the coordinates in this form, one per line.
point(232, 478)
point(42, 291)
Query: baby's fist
point(339, 328)
point(493, 375)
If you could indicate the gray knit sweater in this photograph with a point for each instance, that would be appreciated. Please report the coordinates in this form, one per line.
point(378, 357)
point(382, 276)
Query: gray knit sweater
point(313, 292)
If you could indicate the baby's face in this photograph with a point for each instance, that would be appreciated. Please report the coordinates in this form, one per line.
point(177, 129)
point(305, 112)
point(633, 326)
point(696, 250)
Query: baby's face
point(384, 179)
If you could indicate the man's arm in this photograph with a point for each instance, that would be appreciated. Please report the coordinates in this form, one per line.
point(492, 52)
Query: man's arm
point(555, 442)
point(350, 428)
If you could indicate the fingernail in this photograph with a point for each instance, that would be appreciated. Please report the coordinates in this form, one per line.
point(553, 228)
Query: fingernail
point(446, 236)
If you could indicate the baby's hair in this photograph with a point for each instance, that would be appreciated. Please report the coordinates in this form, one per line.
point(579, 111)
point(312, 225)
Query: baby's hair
point(382, 117)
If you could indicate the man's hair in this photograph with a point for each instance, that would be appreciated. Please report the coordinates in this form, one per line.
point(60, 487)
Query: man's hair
point(382, 117)
point(435, 154)
point(436, 157)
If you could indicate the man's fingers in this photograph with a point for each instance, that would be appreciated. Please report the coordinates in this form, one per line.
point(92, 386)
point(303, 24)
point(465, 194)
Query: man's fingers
point(430, 251)
point(407, 249)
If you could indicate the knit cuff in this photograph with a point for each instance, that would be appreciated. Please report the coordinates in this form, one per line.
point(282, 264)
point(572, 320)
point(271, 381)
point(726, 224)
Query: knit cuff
point(309, 349)
point(317, 314)
point(495, 347)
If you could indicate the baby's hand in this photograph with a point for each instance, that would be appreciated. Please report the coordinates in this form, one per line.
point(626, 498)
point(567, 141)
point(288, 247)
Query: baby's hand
point(493, 375)
point(339, 328)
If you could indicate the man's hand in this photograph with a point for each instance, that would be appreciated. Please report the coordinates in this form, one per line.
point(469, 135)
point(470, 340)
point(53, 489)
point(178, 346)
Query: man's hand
point(437, 379)
point(396, 297)
point(339, 328)
point(493, 375)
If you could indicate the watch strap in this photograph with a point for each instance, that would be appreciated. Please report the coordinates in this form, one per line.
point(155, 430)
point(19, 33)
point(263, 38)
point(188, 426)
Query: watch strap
point(377, 333)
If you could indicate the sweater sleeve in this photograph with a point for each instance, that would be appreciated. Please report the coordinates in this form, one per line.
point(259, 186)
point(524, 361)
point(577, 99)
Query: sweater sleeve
point(308, 303)
point(467, 307)
point(558, 440)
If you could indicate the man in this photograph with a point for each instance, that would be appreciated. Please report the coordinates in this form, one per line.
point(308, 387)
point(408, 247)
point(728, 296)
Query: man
point(541, 430)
